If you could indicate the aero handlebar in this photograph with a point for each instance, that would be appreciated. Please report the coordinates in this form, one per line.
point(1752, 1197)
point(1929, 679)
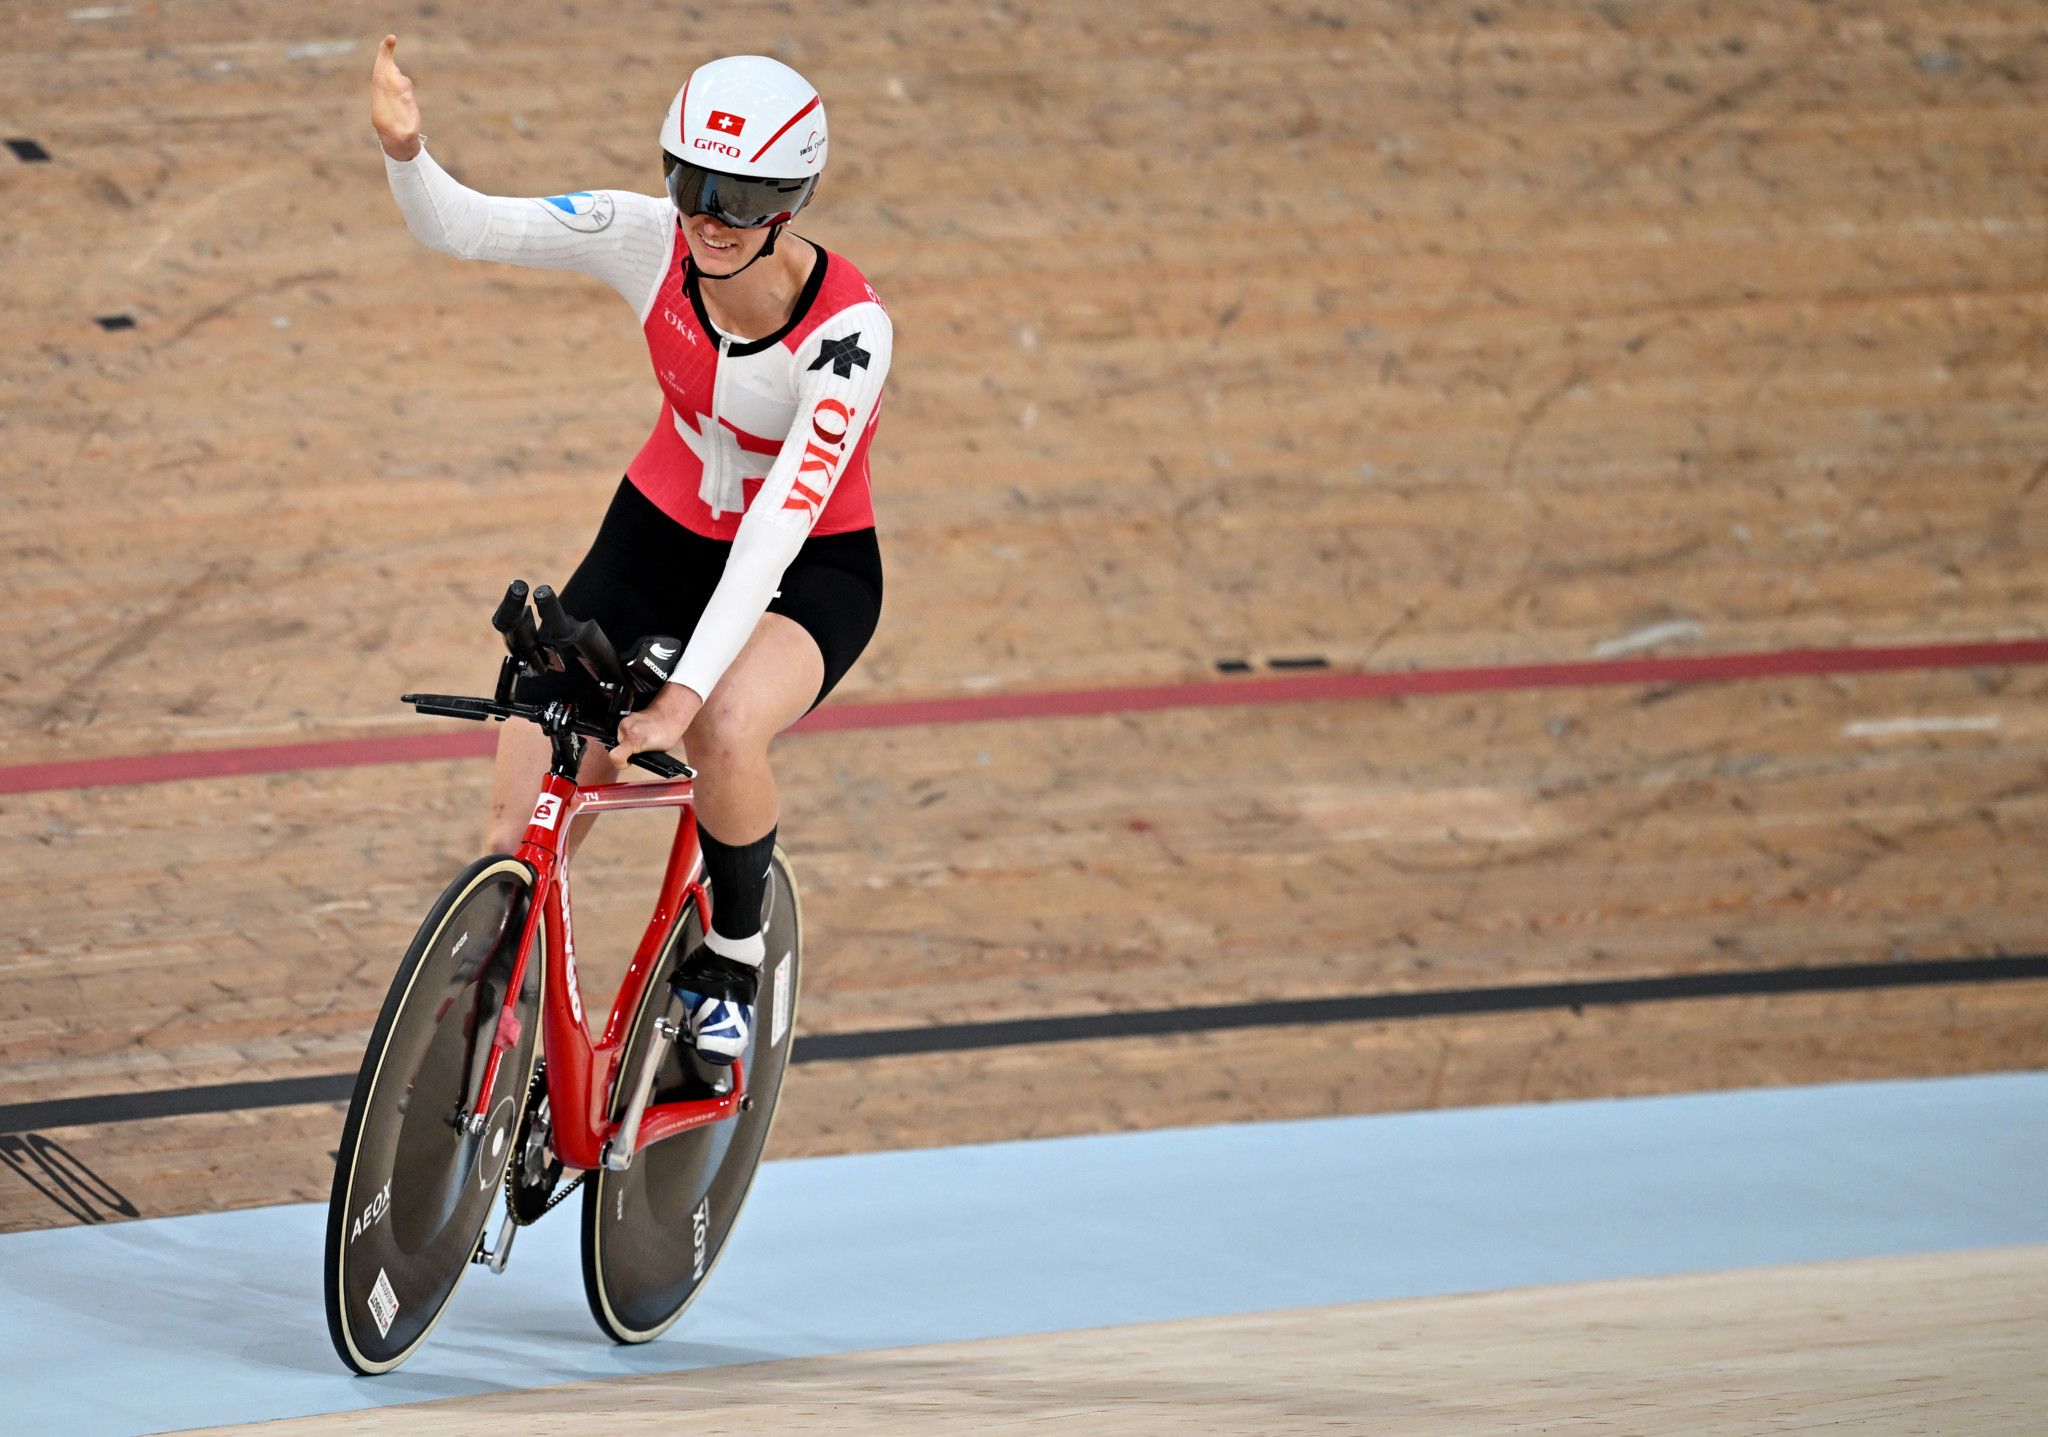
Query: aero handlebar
point(457, 706)
point(549, 647)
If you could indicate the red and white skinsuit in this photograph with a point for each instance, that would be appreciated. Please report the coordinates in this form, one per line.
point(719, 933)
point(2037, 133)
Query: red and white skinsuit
point(760, 442)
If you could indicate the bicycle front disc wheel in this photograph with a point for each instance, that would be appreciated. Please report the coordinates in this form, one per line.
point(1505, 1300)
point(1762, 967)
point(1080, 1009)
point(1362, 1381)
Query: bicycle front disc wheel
point(652, 1233)
point(412, 1184)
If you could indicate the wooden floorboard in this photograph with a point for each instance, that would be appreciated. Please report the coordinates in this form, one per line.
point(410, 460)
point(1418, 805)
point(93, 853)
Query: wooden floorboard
point(1555, 324)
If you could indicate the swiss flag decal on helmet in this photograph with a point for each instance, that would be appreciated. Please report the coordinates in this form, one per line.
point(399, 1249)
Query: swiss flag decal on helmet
point(726, 124)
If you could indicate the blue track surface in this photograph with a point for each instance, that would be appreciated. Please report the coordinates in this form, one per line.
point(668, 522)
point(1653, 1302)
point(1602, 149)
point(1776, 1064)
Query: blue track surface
point(181, 1322)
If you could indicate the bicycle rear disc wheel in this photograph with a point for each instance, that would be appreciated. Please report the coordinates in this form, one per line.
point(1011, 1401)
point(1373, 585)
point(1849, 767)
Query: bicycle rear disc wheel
point(652, 1234)
point(412, 1189)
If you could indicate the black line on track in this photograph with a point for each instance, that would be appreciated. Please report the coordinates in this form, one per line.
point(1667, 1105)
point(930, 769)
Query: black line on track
point(176, 1102)
point(1430, 1003)
point(1155, 1022)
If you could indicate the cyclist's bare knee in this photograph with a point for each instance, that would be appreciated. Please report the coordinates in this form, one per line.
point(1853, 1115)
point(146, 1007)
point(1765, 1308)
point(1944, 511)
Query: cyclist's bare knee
point(729, 729)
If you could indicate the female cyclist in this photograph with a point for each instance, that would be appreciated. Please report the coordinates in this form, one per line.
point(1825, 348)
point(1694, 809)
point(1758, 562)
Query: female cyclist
point(745, 521)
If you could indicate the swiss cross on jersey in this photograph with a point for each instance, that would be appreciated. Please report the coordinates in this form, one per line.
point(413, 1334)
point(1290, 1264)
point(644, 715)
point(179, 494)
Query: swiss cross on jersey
point(727, 124)
point(844, 355)
point(737, 408)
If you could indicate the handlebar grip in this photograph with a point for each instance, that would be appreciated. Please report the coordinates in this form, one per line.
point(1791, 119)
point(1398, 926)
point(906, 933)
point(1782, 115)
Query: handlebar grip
point(662, 765)
point(510, 607)
point(554, 623)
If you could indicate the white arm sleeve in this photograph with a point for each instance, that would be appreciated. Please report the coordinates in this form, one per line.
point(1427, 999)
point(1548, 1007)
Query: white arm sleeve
point(841, 366)
point(618, 236)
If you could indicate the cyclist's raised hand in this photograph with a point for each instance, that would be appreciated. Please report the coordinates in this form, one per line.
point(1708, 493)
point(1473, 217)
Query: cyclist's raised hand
point(393, 110)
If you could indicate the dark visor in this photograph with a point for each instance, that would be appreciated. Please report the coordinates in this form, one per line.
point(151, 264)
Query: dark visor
point(735, 200)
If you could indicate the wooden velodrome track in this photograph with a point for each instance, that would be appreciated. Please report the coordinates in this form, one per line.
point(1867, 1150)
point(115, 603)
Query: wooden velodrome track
point(1398, 338)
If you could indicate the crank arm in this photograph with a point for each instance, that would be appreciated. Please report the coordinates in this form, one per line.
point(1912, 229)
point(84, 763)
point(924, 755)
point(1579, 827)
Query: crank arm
point(618, 1152)
point(496, 1256)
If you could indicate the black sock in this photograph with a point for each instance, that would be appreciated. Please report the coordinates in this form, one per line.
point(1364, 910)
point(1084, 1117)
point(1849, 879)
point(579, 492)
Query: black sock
point(739, 882)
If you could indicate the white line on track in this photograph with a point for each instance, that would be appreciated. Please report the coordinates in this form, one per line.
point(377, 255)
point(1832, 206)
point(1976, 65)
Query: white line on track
point(1890, 728)
point(1648, 637)
point(319, 49)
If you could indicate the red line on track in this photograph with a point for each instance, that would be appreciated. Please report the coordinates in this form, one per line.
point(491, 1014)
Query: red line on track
point(1063, 703)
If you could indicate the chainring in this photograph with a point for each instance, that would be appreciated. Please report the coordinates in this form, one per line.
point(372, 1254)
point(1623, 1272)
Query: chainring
point(532, 1175)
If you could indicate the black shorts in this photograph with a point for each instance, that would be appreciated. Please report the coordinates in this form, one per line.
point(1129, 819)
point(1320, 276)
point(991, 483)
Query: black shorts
point(647, 574)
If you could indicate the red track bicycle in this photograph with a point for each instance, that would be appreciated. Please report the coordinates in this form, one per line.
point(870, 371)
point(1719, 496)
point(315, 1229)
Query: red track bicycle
point(451, 1106)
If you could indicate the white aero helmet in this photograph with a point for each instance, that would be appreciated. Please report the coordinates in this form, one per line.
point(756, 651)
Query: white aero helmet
point(744, 142)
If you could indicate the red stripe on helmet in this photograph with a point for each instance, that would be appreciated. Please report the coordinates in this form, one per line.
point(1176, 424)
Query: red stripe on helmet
point(683, 121)
point(785, 128)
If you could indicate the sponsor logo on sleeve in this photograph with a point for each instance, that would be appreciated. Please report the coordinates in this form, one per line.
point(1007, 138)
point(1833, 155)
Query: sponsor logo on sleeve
point(824, 452)
point(844, 355)
point(584, 212)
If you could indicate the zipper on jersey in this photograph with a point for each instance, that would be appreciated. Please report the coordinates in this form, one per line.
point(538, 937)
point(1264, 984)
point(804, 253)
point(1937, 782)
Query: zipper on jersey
point(712, 448)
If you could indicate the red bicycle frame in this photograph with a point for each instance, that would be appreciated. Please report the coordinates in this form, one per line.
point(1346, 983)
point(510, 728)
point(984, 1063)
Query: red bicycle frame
point(582, 1075)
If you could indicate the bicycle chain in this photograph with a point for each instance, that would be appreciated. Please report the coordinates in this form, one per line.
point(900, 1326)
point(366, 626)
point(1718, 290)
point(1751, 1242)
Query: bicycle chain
point(556, 1201)
point(535, 1092)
